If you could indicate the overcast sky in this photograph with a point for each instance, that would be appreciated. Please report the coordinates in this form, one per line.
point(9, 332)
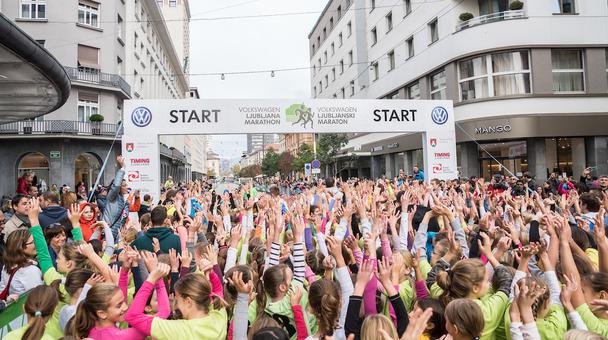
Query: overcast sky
point(245, 44)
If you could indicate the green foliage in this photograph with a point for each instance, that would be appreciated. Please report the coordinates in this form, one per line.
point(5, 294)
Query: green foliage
point(96, 118)
point(305, 155)
point(328, 146)
point(270, 163)
point(465, 16)
point(516, 5)
point(285, 163)
point(250, 171)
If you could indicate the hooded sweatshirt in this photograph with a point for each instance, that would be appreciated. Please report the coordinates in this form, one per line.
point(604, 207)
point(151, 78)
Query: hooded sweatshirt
point(52, 214)
point(166, 238)
point(86, 225)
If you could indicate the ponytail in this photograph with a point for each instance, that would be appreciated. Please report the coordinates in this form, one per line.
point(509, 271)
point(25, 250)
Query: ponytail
point(39, 307)
point(260, 298)
point(98, 298)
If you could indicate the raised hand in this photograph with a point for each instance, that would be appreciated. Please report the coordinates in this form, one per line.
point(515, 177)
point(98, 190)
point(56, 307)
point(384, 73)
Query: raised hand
point(94, 279)
point(210, 254)
point(185, 258)
point(237, 281)
point(352, 243)
point(235, 236)
point(566, 293)
point(150, 260)
point(73, 214)
point(155, 245)
point(161, 270)
point(173, 260)
point(34, 211)
point(364, 276)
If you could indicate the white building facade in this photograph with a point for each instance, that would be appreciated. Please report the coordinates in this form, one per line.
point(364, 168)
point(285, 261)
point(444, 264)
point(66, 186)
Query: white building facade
point(529, 89)
point(112, 51)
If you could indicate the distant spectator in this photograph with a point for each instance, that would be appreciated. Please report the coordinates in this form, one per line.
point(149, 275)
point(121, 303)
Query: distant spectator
point(32, 191)
point(52, 212)
point(418, 174)
point(169, 183)
point(116, 207)
point(160, 230)
point(88, 217)
point(24, 182)
point(144, 208)
point(19, 220)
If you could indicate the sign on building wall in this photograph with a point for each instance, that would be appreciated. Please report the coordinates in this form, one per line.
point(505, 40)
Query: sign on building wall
point(145, 120)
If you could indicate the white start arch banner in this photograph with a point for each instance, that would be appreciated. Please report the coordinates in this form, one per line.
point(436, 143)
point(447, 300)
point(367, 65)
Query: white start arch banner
point(145, 120)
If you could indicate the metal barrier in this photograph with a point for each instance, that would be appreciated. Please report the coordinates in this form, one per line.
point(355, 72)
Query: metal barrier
point(13, 317)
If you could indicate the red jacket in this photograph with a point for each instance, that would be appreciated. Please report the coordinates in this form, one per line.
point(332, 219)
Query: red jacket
point(22, 186)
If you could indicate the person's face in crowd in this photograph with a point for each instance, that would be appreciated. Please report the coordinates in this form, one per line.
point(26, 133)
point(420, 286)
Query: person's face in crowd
point(33, 191)
point(29, 178)
point(58, 241)
point(88, 213)
point(415, 169)
point(539, 190)
point(30, 249)
point(23, 207)
point(116, 309)
point(63, 265)
point(124, 188)
point(604, 182)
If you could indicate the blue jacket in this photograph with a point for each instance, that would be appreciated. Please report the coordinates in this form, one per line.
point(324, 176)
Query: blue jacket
point(53, 214)
point(419, 176)
point(116, 209)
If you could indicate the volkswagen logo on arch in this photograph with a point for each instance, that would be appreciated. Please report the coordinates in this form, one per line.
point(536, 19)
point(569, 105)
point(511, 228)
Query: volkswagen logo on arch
point(141, 116)
point(439, 115)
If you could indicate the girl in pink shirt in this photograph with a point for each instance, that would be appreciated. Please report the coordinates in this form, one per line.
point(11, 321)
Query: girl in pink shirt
point(105, 306)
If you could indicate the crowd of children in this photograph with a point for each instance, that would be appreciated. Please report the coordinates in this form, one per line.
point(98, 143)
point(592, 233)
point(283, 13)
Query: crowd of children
point(357, 259)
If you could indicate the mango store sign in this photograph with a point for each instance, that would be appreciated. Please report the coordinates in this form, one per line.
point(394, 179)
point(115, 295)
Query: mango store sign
point(145, 120)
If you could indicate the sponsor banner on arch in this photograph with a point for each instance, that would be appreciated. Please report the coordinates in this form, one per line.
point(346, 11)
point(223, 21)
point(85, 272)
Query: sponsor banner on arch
point(145, 120)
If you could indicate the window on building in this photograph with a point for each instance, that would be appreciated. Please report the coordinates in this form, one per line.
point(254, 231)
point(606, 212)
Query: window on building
point(160, 2)
point(375, 71)
point(333, 49)
point(334, 96)
point(349, 29)
point(391, 60)
point(568, 71)
point(340, 39)
point(119, 66)
point(333, 74)
point(341, 66)
point(172, 3)
point(319, 41)
point(352, 88)
point(413, 91)
point(326, 81)
point(372, 5)
point(331, 23)
point(120, 29)
point(339, 12)
point(40, 42)
point(410, 46)
point(438, 85)
point(313, 48)
point(135, 37)
point(324, 33)
point(389, 21)
point(606, 53)
point(314, 70)
point(325, 57)
point(407, 6)
point(314, 91)
point(320, 87)
point(564, 6)
point(350, 58)
point(88, 59)
point(434, 30)
point(33, 9)
point(319, 64)
point(342, 93)
point(374, 36)
point(88, 104)
point(494, 75)
point(88, 13)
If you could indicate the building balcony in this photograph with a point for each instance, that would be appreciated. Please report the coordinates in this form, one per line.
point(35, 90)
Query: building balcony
point(492, 17)
point(49, 128)
point(98, 79)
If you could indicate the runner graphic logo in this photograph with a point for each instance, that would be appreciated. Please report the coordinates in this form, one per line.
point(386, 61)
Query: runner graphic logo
point(299, 114)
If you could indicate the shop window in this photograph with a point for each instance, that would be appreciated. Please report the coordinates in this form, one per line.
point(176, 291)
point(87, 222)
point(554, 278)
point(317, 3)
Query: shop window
point(38, 164)
point(503, 158)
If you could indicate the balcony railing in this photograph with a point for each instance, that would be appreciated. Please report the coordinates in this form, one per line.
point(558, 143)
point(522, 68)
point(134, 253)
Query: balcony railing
point(98, 78)
point(51, 127)
point(488, 18)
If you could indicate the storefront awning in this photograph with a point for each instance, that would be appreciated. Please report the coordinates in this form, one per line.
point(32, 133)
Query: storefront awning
point(32, 81)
